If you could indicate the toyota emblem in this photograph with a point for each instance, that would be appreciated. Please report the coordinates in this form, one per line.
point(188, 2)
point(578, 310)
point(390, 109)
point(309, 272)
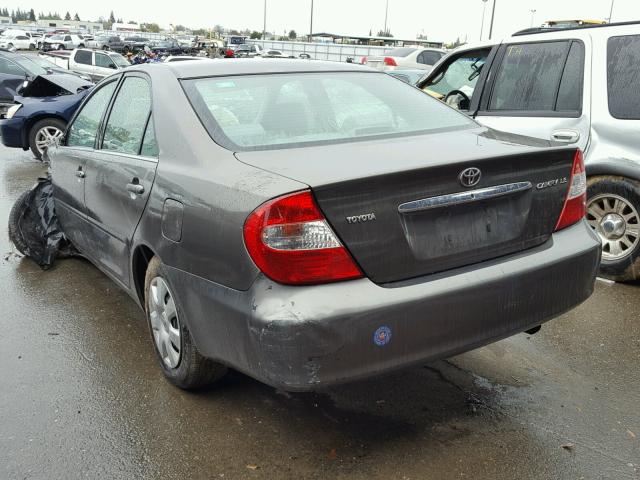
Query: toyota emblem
point(470, 177)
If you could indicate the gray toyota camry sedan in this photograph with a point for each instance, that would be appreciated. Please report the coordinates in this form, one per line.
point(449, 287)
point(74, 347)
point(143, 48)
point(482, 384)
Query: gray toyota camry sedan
point(310, 223)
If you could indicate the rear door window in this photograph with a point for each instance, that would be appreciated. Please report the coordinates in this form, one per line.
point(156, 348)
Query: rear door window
point(623, 77)
point(539, 77)
point(128, 118)
point(84, 129)
point(429, 58)
point(83, 57)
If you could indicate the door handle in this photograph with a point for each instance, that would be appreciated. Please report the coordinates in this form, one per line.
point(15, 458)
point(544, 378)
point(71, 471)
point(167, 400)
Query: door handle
point(135, 188)
point(566, 136)
point(80, 173)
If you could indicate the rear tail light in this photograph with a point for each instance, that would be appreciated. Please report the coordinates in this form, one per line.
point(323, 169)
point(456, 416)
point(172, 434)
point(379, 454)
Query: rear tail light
point(575, 204)
point(390, 62)
point(291, 242)
point(363, 61)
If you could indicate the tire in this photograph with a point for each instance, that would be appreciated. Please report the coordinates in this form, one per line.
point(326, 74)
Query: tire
point(53, 123)
point(60, 47)
point(14, 223)
point(10, 45)
point(613, 211)
point(32, 46)
point(81, 45)
point(191, 370)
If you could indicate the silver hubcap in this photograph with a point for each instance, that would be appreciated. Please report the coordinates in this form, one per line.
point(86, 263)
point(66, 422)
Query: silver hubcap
point(46, 136)
point(617, 223)
point(165, 325)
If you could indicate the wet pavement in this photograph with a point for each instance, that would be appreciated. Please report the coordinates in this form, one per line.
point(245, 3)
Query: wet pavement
point(82, 397)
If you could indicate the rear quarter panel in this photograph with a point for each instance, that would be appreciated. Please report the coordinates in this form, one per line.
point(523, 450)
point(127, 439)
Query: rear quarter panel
point(217, 192)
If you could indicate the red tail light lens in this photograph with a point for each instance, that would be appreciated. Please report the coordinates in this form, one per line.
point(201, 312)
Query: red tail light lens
point(390, 62)
point(291, 242)
point(575, 204)
point(363, 61)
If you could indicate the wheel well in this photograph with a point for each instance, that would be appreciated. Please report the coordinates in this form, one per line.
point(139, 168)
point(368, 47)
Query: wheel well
point(31, 122)
point(141, 258)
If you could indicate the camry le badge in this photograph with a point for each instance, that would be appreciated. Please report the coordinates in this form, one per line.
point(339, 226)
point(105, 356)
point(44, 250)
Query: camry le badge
point(470, 177)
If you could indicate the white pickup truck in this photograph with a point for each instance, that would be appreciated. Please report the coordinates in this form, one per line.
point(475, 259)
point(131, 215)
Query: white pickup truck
point(95, 64)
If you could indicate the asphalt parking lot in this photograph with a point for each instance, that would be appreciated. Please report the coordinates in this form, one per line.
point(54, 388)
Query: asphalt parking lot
point(82, 397)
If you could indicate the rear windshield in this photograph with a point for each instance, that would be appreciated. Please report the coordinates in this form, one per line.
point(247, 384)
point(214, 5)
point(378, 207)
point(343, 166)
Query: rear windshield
point(259, 112)
point(400, 52)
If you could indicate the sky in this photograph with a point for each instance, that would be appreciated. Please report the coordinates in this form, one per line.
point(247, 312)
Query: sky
point(439, 21)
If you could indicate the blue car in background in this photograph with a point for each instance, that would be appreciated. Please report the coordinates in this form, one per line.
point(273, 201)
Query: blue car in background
point(41, 111)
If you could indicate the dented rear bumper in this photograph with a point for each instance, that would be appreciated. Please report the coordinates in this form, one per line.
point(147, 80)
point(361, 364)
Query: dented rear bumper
point(305, 338)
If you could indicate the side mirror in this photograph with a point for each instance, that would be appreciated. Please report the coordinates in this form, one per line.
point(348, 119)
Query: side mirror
point(113, 66)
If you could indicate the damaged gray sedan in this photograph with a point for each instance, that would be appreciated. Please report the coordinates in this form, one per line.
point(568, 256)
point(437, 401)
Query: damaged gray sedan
point(315, 223)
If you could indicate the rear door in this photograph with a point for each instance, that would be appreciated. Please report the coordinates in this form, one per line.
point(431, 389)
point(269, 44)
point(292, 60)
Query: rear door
point(68, 162)
point(104, 66)
point(538, 89)
point(119, 176)
point(83, 62)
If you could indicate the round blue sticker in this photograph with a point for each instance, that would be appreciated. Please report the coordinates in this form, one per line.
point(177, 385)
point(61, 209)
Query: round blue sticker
point(382, 336)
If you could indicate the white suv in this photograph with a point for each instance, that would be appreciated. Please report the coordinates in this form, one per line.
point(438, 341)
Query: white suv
point(577, 86)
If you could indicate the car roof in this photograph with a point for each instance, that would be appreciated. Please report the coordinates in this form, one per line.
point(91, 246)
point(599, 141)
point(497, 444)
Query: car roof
point(251, 66)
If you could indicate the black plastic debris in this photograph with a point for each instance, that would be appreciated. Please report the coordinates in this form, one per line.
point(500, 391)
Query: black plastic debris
point(34, 228)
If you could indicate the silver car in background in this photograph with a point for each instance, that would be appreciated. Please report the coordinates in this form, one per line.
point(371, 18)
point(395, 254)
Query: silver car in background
point(405, 58)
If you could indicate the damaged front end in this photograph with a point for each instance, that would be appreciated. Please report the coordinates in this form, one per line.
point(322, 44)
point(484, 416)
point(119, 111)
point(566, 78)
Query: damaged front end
point(34, 228)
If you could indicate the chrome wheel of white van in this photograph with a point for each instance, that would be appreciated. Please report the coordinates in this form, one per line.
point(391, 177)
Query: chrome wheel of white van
point(165, 325)
point(617, 223)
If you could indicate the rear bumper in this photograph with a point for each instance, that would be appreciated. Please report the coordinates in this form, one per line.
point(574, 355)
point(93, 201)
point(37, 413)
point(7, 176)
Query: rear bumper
point(305, 338)
point(11, 132)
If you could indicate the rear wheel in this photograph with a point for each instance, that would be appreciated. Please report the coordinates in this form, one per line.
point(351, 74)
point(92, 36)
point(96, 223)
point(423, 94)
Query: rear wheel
point(613, 211)
point(60, 47)
point(177, 354)
point(32, 46)
point(43, 133)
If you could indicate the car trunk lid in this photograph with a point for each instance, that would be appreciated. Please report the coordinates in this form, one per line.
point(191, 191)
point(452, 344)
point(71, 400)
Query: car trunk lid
point(402, 210)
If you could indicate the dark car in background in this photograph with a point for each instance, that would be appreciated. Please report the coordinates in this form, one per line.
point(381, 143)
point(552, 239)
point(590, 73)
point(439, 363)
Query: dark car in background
point(167, 47)
point(106, 42)
point(311, 223)
point(41, 110)
point(134, 43)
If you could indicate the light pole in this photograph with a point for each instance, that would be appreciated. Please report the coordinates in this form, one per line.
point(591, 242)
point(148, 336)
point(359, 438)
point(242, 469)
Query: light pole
point(533, 14)
point(386, 17)
point(311, 27)
point(493, 14)
point(484, 9)
point(264, 27)
point(611, 11)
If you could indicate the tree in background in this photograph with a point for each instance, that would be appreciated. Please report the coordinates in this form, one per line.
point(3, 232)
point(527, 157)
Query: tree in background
point(76, 17)
point(150, 27)
point(255, 35)
point(386, 34)
point(293, 35)
point(67, 16)
point(218, 30)
point(49, 16)
point(112, 18)
point(180, 28)
point(32, 15)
